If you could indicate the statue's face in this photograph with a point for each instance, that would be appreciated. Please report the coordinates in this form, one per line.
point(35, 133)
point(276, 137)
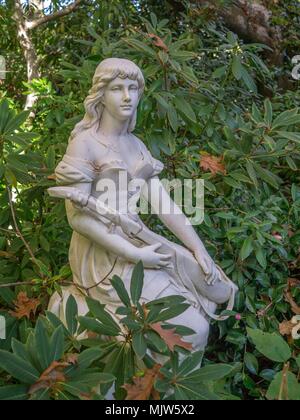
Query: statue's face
point(121, 98)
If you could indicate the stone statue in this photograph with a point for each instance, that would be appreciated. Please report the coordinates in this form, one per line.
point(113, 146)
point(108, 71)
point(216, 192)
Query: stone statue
point(107, 241)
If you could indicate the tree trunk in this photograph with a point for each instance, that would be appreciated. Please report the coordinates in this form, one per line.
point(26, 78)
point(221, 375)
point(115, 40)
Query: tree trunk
point(24, 28)
point(29, 51)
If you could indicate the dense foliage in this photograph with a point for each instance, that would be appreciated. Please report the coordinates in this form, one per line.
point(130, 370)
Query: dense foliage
point(205, 115)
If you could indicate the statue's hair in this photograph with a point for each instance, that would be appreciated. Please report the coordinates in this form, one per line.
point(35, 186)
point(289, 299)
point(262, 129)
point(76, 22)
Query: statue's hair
point(107, 71)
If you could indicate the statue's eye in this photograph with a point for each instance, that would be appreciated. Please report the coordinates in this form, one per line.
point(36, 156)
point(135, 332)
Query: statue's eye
point(116, 88)
point(133, 87)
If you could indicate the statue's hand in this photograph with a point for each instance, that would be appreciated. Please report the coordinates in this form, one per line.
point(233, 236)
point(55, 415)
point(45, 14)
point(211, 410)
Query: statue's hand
point(79, 199)
point(208, 266)
point(153, 259)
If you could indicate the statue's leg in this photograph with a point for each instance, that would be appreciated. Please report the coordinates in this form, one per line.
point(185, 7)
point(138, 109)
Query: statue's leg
point(192, 318)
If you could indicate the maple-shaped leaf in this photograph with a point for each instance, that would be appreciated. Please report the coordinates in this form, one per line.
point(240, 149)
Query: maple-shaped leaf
point(52, 376)
point(170, 337)
point(24, 306)
point(143, 386)
point(158, 42)
point(213, 164)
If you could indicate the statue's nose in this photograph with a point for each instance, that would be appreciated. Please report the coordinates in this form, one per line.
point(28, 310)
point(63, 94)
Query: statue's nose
point(126, 96)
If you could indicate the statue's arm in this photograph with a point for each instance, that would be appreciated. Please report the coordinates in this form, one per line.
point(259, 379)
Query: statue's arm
point(179, 224)
point(98, 232)
point(175, 221)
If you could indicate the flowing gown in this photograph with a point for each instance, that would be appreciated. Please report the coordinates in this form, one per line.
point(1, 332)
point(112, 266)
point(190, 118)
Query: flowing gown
point(93, 266)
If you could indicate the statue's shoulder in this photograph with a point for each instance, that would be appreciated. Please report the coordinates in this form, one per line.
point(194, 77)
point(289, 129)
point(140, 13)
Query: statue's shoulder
point(81, 146)
point(140, 143)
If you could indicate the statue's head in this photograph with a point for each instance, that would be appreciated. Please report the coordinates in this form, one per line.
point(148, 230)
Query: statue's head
point(117, 83)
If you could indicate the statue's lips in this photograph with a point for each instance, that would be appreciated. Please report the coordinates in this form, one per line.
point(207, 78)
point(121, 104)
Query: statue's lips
point(126, 106)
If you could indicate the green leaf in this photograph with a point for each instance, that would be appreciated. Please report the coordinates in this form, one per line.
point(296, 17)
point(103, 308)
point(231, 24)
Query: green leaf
point(285, 118)
point(4, 114)
point(295, 137)
point(140, 46)
point(248, 80)
point(18, 368)
point(201, 392)
point(44, 243)
point(190, 363)
point(56, 348)
point(103, 316)
point(185, 108)
point(261, 257)
point(118, 285)
point(87, 357)
point(171, 312)
point(210, 373)
point(71, 315)
point(13, 393)
point(237, 68)
point(270, 345)
point(155, 340)
point(251, 363)
point(268, 112)
point(256, 114)
point(139, 344)
point(91, 324)
point(16, 122)
point(19, 349)
point(173, 118)
point(137, 282)
point(247, 248)
point(42, 344)
point(50, 158)
point(153, 19)
point(287, 390)
point(43, 268)
point(252, 173)
point(220, 72)
point(267, 176)
point(162, 102)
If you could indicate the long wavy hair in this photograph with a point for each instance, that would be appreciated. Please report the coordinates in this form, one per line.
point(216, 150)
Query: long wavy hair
point(107, 70)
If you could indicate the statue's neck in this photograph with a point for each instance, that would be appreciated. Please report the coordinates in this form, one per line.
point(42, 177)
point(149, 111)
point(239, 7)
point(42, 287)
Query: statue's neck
point(111, 127)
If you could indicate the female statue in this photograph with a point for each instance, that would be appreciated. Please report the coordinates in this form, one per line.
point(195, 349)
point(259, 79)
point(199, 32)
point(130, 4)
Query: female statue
point(100, 147)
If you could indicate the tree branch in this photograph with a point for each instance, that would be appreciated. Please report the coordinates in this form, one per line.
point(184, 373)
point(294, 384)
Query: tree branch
point(60, 13)
point(19, 233)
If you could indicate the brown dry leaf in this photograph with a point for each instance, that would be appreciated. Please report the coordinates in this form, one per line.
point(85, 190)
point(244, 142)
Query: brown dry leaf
point(52, 177)
point(91, 335)
point(50, 378)
point(214, 164)
point(9, 255)
point(286, 327)
point(158, 42)
point(289, 297)
point(72, 359)
point(293, 282)
point(25, 306)
point(295, 308)
point(145, 309)
point(142, 387)
point(170, 337)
